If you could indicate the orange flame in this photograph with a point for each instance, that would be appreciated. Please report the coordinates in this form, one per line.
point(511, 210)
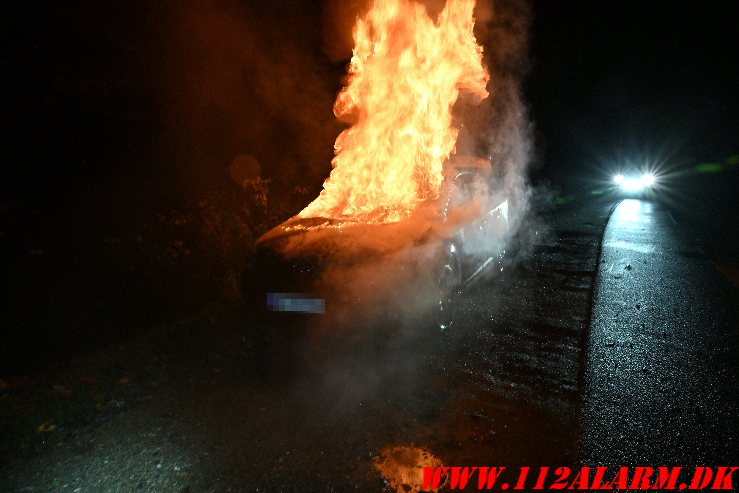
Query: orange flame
point(405, 75)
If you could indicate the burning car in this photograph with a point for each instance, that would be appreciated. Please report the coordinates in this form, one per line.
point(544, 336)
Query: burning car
point(400, 212)
point(318, 265)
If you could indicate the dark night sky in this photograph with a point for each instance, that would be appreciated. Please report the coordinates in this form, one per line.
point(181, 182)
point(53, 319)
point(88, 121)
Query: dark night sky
point(606, 77)
point(634, 77)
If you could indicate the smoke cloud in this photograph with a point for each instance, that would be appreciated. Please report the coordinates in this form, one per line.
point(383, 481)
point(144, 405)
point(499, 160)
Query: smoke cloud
point(499, 127)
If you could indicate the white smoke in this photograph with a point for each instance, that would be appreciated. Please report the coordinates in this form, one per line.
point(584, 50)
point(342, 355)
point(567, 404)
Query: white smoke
point(500, 128)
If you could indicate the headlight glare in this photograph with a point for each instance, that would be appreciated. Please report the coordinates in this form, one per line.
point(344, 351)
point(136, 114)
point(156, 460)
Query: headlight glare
point(647, 179)
point(632, 185)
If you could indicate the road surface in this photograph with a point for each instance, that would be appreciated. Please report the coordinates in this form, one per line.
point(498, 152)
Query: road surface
point(619, 352)
point(661, 372)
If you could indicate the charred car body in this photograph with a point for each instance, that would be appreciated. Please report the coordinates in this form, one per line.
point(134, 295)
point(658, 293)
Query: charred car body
point(321, 266)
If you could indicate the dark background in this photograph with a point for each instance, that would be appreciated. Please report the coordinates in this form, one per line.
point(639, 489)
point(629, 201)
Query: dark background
point(614, 80)
point(119, 209)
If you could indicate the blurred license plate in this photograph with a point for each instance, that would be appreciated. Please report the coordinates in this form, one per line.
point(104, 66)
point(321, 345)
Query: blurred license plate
point(295, 302)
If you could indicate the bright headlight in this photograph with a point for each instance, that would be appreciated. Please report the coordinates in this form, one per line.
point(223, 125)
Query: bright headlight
point(647, 179)
point(632, 184)
point(618, 179)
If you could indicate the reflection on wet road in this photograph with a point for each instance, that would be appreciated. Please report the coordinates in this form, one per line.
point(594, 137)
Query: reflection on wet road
point(661, 373)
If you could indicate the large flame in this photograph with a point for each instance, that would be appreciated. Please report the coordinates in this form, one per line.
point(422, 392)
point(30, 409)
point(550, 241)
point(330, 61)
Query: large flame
point(405, 75)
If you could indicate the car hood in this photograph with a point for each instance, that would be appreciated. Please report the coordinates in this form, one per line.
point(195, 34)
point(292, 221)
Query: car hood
point(344, 239)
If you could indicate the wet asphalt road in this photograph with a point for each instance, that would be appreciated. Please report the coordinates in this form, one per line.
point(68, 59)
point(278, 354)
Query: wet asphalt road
point(522, 380)
point(662, 370)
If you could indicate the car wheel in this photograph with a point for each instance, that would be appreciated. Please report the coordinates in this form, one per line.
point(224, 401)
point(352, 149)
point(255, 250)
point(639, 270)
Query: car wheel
point(450, 277)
